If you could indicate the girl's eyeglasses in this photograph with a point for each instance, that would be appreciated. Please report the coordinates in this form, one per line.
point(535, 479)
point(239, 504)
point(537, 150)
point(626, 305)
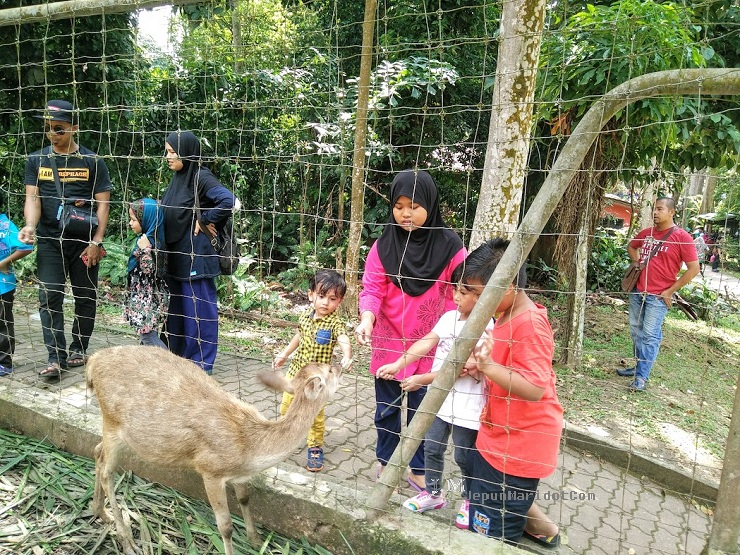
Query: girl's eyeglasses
point(57, 129)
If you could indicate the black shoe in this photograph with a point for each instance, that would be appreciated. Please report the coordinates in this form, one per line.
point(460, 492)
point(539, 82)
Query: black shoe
point(626, 372)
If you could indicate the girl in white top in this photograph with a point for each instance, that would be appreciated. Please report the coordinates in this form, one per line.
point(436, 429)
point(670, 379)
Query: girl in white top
point(460, 412)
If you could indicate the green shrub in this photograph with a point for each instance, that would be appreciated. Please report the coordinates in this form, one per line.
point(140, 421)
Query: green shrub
point(608, 260)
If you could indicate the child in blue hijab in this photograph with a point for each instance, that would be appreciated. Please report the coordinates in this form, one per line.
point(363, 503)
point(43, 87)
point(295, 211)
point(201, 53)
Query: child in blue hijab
point(147, 297)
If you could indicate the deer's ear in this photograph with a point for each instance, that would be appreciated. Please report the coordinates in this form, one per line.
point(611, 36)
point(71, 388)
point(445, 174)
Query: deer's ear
point(314, 386)
point(276, 380)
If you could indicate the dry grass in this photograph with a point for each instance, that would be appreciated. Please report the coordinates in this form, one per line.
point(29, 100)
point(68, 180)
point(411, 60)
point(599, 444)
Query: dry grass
point(45, 496)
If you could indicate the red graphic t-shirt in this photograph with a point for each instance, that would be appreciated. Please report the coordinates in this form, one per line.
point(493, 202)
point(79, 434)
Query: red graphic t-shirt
point(662, 269)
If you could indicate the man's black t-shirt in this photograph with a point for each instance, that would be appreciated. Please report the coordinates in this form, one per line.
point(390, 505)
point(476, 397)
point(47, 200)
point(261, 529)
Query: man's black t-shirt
point(82, 174)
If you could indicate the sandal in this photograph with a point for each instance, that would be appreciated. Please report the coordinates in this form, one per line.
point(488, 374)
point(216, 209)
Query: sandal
point(76, 360)
point(551, 542)
point(414, 485)
point(51, 371)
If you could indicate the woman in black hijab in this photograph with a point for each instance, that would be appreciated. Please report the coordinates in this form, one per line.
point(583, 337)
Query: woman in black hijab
point(406, 288)
point(192, 264)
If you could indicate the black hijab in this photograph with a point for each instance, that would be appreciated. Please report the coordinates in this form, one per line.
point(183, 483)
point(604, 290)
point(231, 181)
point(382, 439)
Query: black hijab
point(415, 260)
point(179, 198)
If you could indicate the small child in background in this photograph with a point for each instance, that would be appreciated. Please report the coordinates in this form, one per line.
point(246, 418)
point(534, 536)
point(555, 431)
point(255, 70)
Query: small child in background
point(320, 330)
point(714, 259)
point(460, 412)
point(11, 249)
point(147, 296)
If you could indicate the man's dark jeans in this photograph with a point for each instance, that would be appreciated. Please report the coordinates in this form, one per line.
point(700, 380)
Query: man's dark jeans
point(56, 260)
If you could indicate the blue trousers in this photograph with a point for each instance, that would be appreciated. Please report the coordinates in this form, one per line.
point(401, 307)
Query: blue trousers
point(388, 421)
point(647, 313)
point(498, 502)
point(435, 446)
point(192, 322)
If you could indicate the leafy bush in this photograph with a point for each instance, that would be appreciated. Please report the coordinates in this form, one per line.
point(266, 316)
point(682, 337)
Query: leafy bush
point(114, 263)
point(707, 303)
point(242, 291)
point(546, 277)
point(608, 261)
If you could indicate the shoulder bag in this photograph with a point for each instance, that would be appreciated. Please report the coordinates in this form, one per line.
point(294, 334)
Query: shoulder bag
point(75, 216)
point(629, 281)
point(224, 242)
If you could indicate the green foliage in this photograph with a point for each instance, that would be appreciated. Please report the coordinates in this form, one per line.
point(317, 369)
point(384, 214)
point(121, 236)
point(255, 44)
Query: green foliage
point(308, 257)
point(242, 291)
point(114, 263)
point(608, 261)
point(602, 46)
point(546, 277)
point(25, 268)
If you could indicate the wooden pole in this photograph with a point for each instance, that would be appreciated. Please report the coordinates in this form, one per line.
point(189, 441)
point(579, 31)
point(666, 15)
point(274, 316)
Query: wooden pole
point(357, 210)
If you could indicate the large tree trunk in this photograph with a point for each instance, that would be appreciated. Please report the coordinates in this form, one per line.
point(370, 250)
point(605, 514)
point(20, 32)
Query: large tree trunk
point(504, 168)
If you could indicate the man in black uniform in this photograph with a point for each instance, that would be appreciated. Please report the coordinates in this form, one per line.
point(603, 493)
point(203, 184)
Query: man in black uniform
point(66, 210)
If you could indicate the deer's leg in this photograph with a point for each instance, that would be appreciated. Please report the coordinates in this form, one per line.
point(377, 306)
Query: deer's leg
point(242, 496)
point(105, 473)
point(216, 492)
point(98, 501)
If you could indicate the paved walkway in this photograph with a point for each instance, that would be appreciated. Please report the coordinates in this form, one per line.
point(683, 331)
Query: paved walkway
point(601, 509)
point(723, 283)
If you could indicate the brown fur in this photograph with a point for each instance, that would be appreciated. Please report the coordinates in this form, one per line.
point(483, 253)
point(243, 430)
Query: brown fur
point(169, 412)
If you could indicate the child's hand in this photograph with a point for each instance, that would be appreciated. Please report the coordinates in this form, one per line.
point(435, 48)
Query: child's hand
point(347, 364)
point(387, 372)
point(5, 266)
point(278, 361)
point(483, 351)
point(410, 384)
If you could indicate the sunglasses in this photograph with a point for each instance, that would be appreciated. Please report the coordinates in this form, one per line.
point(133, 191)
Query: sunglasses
point(57, 129)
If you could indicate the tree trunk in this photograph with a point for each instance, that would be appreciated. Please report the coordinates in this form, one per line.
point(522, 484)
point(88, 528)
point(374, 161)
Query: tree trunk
point(80, 8)
point(646, 210)
point(707, 199)
point(236, 37)
point(572, 342)
point(725, 534)
point(504, 168)
point(354, 241)
point(663, 83)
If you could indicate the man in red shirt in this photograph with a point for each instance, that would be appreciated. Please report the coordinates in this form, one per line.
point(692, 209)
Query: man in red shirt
point(652, 297)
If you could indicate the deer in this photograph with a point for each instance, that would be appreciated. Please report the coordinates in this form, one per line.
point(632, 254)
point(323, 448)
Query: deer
point(168, 411)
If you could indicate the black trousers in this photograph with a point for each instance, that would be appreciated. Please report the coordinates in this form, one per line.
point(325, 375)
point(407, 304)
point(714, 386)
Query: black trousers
point(7, 329)
point(58, 259)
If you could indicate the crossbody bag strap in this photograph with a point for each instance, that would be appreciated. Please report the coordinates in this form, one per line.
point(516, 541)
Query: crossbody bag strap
point(658, 244)
point(55, 172)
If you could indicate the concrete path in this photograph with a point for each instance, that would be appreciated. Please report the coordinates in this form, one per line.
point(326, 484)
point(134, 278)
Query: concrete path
point(723, 283)
point(600, 508)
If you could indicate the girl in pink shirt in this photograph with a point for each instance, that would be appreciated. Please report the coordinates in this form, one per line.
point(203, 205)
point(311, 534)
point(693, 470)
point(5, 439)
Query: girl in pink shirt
point(406, 288)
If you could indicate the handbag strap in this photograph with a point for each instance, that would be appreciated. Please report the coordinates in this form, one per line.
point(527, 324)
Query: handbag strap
point(204, 229)
point(658, 244)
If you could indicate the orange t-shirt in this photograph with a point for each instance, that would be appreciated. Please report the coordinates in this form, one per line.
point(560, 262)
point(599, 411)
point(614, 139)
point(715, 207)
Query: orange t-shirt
point(520, 437)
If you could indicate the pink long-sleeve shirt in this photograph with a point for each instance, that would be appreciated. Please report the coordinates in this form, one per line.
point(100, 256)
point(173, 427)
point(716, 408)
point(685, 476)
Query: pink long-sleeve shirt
point(401, 319)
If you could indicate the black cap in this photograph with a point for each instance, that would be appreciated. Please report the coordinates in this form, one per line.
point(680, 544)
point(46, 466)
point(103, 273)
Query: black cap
point(58, 110)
